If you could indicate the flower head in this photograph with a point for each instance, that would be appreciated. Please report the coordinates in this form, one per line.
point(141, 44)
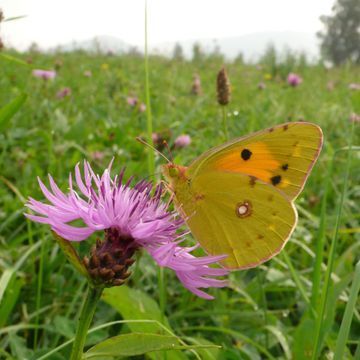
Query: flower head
point(268, 76)
point(223, 87)
point(354, 86)
point(261, 85)
point(294, 79)
point(354, 117)
point(131, 218)
point(58, 64)
point(161, 139)
point(44, 74)
point(182, 141)
point(132, 100)
point(97, 155)
point(330, 85)
point(66, 91)
point(142, 107)
point(196, 85)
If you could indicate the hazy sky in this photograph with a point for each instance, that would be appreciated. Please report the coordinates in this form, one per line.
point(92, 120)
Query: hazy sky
point(50, 22)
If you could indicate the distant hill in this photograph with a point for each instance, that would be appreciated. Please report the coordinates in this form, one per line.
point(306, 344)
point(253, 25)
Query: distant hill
point(251, 45)
point(102, 43)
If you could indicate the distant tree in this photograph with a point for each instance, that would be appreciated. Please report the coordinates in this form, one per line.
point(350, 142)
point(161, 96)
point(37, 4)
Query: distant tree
point(270, 59)
point(216, 54)
point(302, 60)
point(134, 51)
point(341, 39)
point(34, 48)
point(198, 54)
point(178, 53)
point(239, 59)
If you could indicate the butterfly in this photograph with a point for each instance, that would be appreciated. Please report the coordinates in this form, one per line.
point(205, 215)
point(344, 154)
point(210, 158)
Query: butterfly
point(238, 198)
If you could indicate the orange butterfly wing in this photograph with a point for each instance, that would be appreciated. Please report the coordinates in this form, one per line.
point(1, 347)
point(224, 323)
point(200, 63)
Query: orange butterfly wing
point(282, 156)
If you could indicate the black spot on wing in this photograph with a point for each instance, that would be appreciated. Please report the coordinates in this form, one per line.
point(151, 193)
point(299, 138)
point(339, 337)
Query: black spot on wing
point(275, 180)
point(246, 154)
point(252, 181)
point(285, 167)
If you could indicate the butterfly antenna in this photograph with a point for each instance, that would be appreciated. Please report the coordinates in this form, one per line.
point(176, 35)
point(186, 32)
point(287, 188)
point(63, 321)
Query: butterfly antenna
point(169, 150)
point(150, 176)
point(140, 140)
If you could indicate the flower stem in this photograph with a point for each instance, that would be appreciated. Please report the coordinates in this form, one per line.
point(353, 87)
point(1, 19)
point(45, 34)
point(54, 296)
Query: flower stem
point(86, 316)
point(224, 116)
point(149, 124)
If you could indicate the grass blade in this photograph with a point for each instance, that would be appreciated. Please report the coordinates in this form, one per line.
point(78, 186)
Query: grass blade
point(10, 109)
point(319, 334)
point(319, 255)
point(349, 311)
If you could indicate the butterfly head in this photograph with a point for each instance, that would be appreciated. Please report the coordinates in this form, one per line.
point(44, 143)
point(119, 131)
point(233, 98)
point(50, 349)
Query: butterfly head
point(174, 173)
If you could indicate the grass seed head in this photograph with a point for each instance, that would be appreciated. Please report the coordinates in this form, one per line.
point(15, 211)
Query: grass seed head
point(223, 87)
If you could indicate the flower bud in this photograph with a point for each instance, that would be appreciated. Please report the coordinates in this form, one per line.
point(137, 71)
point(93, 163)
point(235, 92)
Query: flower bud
point(223, 87)
point(110, 259)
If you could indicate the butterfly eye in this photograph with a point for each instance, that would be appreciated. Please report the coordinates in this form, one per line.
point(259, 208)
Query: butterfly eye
point(173, 172)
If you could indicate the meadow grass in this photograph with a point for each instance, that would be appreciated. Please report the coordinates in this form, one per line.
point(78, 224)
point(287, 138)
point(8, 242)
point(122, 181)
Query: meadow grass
point(302, 304)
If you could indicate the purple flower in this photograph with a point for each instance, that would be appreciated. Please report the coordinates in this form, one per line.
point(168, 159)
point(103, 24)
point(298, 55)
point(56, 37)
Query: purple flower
point(261, 85)
point(354, 117)
point(155, 137)
point(63, 93)
point(132, 100)
point(294, 79)
point(182, 141)
point(354, 86)
point(142, 107)
point(87, 73)
point(137, 216)
point(98, 155)
point(44, 74)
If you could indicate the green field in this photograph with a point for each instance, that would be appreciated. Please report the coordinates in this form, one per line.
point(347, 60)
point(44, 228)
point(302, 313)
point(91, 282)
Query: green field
point(270, 312)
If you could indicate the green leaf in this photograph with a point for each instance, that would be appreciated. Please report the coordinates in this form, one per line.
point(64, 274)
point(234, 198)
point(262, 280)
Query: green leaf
point(281, 339)
point(136, 305)
point(133, 344)
point(9, 272)
point(64, 326)
point(15, 18)
point(18, 347)
point(72, 255)
point(9, 110)
point(10, 298)
point(13, 59)
point(210, 353)
point(304, 339)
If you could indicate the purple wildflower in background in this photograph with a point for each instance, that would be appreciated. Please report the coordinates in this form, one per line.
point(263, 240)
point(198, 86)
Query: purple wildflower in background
point(182, 141)
point(142, 107)
point(87, 73)
point(354, 86)
point(98, 155)
point(132, 100)
point(354, 117)
point(294, 79)
point(66, 91)
point(131, 218)
point(44, 74)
